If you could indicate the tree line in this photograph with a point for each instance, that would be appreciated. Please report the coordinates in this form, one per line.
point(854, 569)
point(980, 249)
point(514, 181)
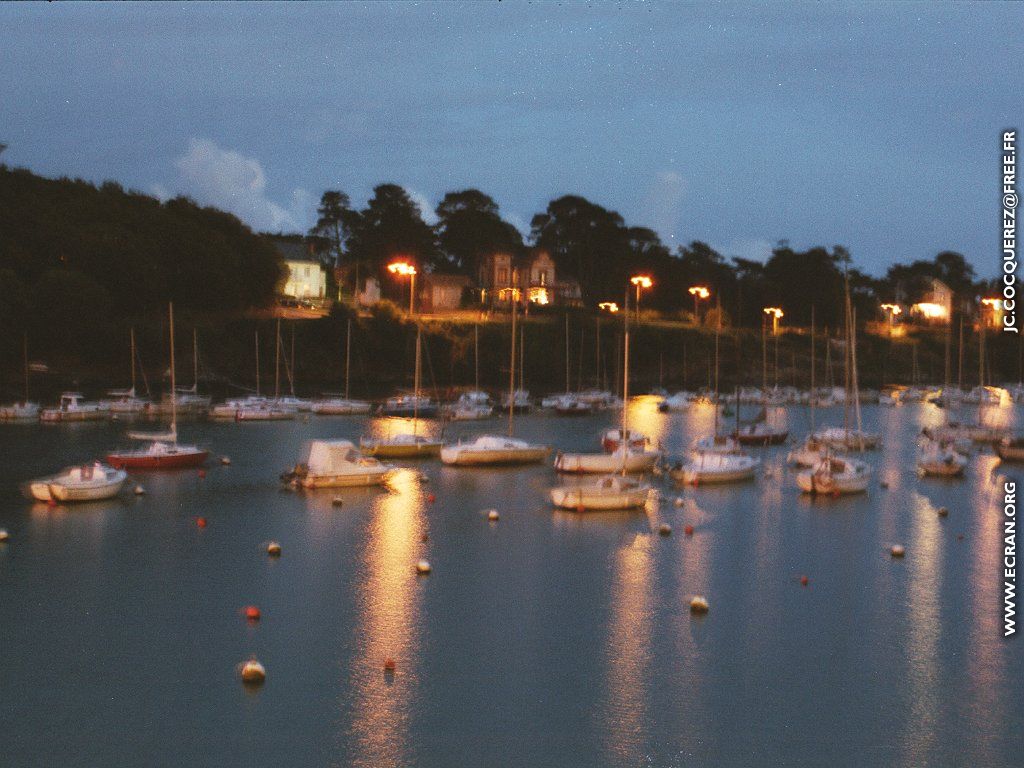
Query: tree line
point(597, 248)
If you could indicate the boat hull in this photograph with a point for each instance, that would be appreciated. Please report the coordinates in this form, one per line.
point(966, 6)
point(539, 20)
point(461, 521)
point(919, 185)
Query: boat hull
point(697, 476)
point(462, 457)
point(605, 463)
point(588, 500)
point(346, 480)
point(62, 492)
point(401, 451)
point(770, 438)
point(167, 461)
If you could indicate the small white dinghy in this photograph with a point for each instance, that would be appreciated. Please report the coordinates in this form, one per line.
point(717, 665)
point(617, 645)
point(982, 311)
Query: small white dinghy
point(712, 467)
point(834, 476)
point(493, 450)
point(627, 460)
point(89, 482)
point(938, 459)
point(606, 494)
point(337, 464)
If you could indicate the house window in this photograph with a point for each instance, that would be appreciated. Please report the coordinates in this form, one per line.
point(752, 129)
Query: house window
point(502, 276)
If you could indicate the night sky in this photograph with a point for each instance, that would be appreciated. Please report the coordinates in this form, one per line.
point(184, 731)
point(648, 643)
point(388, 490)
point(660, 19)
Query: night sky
point(873, 126)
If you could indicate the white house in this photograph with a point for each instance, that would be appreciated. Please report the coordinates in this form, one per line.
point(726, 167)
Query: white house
point(307, 279)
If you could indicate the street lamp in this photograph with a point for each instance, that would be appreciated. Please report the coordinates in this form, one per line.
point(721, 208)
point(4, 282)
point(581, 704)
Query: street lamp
point(404, 269)
point(892, 310)
point(997, 307)
point(775, 313)
point(640, 281)
point(698, 292)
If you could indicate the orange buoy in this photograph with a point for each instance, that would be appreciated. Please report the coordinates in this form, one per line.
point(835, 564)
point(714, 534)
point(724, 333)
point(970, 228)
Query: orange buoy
point(804, 581)
point(665, 529)
point(699, 604)
point(4, 535)
point(200, 522)
point(252, 613)
point(253, 673)
point(492, 515)
point(688, 530)
point(225, 460)
point(431, 498)
point(897, 550)
point(580, 508)
point(274, 549)
point(389, 664)
point(139, 490)
point(423, 567)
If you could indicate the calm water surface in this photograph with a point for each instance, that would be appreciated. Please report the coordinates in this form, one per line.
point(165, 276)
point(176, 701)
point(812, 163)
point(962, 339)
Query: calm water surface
point(546, 639)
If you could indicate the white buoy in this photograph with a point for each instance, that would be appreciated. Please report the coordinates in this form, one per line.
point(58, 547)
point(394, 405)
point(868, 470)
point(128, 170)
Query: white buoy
point(225, 460)
point(699, 604)
point(897, 550)
point(492, 515)
point(139, 490)
point(679, 501)
point(274, 549)
point(4, 535)
point(253, 673)
point(423, 567)
point(665, 529)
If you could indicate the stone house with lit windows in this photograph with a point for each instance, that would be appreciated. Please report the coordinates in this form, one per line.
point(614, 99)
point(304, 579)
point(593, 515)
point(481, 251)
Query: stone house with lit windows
point(531, 278)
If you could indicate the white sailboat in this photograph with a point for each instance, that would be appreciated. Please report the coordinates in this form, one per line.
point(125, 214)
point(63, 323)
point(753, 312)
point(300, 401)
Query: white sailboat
point(490, 450)
point(125, 402)
point(811, 452)
point(938, 459)
point(73, 407)
point(262, 409)
point(342, 405)
point(90, 482)
point(26, 409)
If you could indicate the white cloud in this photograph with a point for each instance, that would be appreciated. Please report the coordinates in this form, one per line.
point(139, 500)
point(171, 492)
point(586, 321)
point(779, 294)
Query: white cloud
point(426, 209)
point(227, 179)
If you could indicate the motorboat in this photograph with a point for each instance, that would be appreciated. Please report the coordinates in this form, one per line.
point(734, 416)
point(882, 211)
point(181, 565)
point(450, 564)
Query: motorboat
point(404, 446)
point(124, 402)
point(834, 476)
point(627, 460)
point(606, 494)
point(472, 406)
point(955, 431)
point(88, 482)
point(72, 407)
point(339, 406)
point(761, 433)
point(840, 439)
point(493, 450)
point(409, 405)
point(266, 411)
point(708, 467)
point(520, 401)
point(570, 405)
point(19, 412)
point(937, 459)
point(717, 444)
point(1010, 449)
point(337, 464)
point(612, 439)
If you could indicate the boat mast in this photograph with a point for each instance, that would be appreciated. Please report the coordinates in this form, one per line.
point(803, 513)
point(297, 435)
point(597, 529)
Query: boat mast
point(416, 383)
point(476, 357)
point(512, 366)
point(624, 434)
point(522, 357)
point(174, 392)
point(813, 396)
point(718, 333)
point(257, 363)
point(960, 357)
point(131, 344)
point(567, 387)
point(24, 352)
point(277, 361)
point(291, 369)
point(348, 352)
point(195, 361)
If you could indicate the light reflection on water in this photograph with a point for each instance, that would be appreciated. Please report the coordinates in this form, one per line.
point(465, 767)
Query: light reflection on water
point(575, 645)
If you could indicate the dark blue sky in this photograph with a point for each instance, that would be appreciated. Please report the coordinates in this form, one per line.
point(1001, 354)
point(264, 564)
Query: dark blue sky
point(872, 126)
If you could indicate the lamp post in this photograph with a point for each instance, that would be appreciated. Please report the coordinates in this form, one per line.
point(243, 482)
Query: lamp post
point(775, 313)
point(891, 310)
point(640, 281)
point(698, 292)
point(405, 269)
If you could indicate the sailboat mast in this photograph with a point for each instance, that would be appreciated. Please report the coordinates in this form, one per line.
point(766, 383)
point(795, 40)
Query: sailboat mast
point(195, 361)
point(512, 367)
point(476, 357)
point(24, 354)
point(257, 363)
point(277, 360)
point(567, 388)
point(813, 396)
point(348, 354)
point(174, 391)
point(981, 352)
point(291, 369)
point(718, 332)
point(960, 358)
point(416, 382)
point(625, 380)
point(522, 357)
point(131, 344)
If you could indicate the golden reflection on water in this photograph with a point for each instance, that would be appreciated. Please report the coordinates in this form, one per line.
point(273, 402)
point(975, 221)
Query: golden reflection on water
point(924, 629)
point(388, 627)
point(628, 652)
point(643, 416)
point(390, 426)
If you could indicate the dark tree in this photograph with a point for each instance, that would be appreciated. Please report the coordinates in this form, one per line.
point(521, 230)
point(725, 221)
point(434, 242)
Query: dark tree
point(469, 228)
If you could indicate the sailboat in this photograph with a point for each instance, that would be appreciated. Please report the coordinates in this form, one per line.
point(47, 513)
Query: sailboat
point(759, 431)
point(89, 482)
point(614, 491)
point(836, 475)
point(717, 459)
point(476, 404)
point(261, 409)
point(940, 459)
point(812, 451)
point(164, 451)
point(125, 402)
point(491, 450)
point(405, 445)
point(26, 409)
point(341, 405)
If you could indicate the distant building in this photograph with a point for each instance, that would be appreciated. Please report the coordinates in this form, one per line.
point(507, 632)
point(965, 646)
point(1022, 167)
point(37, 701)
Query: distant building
point(306, 277)
point(935, 304)
point(440, 293)
point(531, 278)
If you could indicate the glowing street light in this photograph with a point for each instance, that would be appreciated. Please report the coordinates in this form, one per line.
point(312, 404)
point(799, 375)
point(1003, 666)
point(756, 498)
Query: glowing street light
point(640, 281)
point(698, 292)
point(608, 306)
point(405, 269)
point(775, 313)
point(891, 310)
point(997, 310)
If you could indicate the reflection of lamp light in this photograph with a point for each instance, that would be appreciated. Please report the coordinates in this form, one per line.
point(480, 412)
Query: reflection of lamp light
point(404, 269)
point(640, 281)
point(698, 292)
point(775, 313)
point(608, 306)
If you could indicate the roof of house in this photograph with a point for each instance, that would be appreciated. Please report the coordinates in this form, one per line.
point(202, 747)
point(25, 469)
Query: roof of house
point(290, 250)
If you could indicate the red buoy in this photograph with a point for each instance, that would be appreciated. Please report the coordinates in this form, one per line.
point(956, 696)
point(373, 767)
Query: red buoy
point(389, 664)
point(252, 613)
point(201, 522)
point(202, 473)
point(804, 581)
point(431, 498)
point(688, 530)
